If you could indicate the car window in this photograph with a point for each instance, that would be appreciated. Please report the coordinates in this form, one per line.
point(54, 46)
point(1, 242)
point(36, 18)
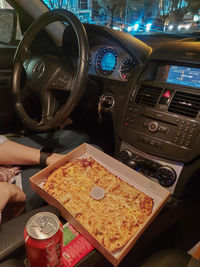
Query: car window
point(136, 17)
point(7, 23)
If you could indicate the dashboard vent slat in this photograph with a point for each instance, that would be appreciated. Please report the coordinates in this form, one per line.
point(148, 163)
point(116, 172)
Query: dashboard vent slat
point(148, 96)
point(185, 104)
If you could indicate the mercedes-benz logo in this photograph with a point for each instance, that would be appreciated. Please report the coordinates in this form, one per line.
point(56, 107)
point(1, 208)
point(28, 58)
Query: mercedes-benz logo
point(38, 69)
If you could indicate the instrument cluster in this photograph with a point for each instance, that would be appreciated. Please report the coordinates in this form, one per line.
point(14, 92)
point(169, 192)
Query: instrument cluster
point(112, 63)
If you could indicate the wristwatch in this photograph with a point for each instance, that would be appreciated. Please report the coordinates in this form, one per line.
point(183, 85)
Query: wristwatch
point(45, 152)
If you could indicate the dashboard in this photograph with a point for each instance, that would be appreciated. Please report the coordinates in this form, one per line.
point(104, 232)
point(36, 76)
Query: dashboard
point(150, 88)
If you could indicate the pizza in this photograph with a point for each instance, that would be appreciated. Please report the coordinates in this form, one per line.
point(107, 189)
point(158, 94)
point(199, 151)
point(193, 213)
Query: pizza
point(109, 208)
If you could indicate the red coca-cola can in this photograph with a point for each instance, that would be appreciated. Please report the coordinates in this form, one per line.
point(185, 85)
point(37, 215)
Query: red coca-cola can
point(43, 237)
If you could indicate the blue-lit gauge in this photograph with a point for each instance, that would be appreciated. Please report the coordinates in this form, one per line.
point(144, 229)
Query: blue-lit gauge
point(106, 61)
point(126, 68)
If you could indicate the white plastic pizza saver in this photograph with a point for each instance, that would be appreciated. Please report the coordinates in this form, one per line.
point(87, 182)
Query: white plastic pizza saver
point(97, 192)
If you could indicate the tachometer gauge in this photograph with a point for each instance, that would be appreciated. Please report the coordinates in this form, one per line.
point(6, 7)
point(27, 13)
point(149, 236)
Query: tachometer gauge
point(106, 61)
point(125, 68)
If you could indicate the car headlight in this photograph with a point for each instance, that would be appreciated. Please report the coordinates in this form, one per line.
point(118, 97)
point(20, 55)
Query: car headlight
point(148, 27)
point(187, 26)
point(136, 26)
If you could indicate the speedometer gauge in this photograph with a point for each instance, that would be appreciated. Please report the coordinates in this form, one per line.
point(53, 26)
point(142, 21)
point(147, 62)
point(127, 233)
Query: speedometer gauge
point(125, 68)
point(106, 61)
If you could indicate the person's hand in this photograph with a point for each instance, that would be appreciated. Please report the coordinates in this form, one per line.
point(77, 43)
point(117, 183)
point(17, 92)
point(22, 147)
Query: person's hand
point(12, 200)
point(10, 193)
point(53, 158)
point(7, 173)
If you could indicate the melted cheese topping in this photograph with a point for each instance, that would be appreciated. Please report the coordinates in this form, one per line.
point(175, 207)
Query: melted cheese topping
point(112, 220)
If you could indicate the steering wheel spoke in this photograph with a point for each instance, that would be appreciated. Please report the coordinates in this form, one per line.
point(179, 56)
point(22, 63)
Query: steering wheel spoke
point(26, 63)
point(24, 54)
point(49, 106)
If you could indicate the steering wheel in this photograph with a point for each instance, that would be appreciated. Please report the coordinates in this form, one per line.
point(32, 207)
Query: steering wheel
point(45, 74)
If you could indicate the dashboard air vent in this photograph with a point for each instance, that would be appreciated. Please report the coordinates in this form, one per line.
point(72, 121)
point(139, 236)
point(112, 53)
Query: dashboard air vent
point(185, 104)
point(148, 96)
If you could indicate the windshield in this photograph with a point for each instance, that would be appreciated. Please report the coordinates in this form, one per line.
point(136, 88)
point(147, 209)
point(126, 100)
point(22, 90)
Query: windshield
point(136, 16)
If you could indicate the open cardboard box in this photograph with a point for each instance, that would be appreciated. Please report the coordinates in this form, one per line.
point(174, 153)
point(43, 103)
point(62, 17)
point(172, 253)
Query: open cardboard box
point(152, 189)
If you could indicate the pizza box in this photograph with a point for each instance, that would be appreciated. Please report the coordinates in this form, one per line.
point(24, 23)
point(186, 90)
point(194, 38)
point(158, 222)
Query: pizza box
point(139, 181)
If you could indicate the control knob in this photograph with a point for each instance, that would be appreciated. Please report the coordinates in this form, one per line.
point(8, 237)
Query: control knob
point(153, 126)
point(125, 155)
point(166, 176)
point(131, 163)
point(128, 158)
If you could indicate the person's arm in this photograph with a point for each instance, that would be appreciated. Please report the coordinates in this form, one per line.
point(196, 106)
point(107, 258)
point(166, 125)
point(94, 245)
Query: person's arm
point(12, 153)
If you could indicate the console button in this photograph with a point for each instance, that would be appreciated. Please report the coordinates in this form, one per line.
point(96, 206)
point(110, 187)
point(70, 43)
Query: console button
point(163, 129)
point(176, 140)
point(192, 131)
point(125, 155)
point(181, 142)
point(153, 126)
point(187, 144)
point(152, 142)
point(131, 163)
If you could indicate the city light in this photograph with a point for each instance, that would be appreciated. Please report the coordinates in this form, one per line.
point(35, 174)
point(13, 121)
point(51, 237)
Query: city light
point(136, 26)
point(148, 27)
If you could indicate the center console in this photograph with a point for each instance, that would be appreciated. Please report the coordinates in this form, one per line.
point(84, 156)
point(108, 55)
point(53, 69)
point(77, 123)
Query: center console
point(161, 123)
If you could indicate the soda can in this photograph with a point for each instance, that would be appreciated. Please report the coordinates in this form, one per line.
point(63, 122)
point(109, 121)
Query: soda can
point(43, 237)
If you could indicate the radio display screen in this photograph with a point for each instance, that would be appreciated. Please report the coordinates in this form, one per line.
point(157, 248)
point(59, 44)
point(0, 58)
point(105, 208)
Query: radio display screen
point(186, 76)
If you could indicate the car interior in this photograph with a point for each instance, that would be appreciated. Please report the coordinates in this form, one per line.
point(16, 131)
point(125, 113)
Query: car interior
point(136, 97)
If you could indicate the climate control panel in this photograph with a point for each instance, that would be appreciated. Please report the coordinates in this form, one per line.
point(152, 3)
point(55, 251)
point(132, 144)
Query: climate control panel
point(163, 172)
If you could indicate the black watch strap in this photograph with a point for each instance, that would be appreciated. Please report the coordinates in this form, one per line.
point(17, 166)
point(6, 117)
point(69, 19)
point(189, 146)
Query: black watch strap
point(45, 152)
point(43, 158)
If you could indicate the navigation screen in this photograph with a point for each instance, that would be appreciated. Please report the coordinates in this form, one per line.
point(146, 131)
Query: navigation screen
point(184, 76)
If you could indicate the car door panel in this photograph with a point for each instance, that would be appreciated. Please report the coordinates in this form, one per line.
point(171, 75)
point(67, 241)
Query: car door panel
point(7, 114)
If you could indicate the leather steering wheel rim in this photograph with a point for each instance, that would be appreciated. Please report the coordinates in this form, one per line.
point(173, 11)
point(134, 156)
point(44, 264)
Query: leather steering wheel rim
point(23, 52)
